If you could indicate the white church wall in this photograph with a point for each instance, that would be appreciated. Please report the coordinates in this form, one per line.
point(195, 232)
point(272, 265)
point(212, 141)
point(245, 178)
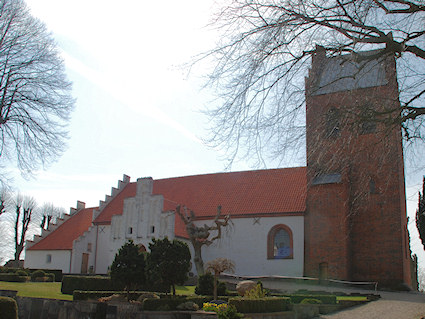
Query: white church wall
point(246, 244)
point(84, 245)
point(48, 259)
point(105, 251)
point(142, 218)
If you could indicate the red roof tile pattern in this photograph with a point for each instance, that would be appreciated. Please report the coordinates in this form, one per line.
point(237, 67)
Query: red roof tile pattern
point(116, 205)
point(273, 191)
point(270, 192)
point(63, 237)
point(241, 194)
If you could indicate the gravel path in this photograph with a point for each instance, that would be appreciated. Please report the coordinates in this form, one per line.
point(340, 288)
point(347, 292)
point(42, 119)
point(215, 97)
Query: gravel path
point(388, 309)
point(392, 305)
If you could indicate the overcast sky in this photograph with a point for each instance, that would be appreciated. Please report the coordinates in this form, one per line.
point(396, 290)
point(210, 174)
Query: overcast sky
point(137, 112)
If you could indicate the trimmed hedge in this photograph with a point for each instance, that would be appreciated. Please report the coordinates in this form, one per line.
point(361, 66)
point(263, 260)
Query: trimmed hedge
point(57, 272)
point(8, 308)
point(325, 299)
point(268, 304)
point(93, 295)
point(87, 283)
point(12, 277)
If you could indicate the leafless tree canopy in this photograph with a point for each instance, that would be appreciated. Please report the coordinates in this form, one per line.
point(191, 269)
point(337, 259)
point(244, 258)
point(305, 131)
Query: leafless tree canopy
point(35, 100)
point(266, 51)
point(24, 208)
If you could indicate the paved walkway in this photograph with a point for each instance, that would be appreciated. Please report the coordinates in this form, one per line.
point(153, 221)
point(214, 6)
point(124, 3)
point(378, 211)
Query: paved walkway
point(392, 305)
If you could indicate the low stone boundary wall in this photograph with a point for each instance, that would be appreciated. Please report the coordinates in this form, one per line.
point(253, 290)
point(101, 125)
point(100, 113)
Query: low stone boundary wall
point(40, 308)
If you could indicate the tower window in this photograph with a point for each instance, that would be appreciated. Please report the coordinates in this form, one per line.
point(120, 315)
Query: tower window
point(48, 259)
point(130, 230)
point(152, 229)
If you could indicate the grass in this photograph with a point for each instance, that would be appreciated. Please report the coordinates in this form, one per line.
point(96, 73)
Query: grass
point(351, 298)
point(50, 290)
point(185, 290)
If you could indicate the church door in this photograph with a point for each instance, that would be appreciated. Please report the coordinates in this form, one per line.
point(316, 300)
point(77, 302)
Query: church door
point(84, 263)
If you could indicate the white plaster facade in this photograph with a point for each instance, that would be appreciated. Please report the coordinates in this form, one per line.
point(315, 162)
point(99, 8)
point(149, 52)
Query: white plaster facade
point(245, 241)
point(39, 259)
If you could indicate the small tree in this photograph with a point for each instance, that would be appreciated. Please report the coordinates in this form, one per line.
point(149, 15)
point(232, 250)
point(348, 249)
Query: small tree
point(128, 267)
point(168, 262)
point(24, 208)
point(420, 214)
point(217, 266)
point(201, 235)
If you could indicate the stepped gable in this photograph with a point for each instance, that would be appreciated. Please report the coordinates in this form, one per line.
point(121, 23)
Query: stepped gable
point(114, 203)
point(64, 233)
point(270, 192)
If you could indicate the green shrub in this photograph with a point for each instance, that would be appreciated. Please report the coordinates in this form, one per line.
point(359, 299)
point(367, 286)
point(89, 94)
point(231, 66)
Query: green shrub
point(50, 277)
point(57, 272)
point(21, 272)
point(12, 277)
point(87, 283)
point(255, 293)
point(310, 301)
point(326, 299)
point(229, 312)
point(8, 308)
point(206, 286)
point(269, 304)
point(37, 274)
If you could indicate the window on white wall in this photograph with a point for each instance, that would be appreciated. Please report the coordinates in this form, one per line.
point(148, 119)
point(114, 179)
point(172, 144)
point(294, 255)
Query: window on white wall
point(48, 259)
point(88, 246)
point(280, 243)
point(130, 230)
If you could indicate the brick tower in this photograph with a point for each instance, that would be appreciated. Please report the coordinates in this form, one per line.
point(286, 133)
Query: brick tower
point(355, 221)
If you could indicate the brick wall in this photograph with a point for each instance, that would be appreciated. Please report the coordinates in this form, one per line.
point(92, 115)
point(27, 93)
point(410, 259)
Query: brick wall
point(358, 224)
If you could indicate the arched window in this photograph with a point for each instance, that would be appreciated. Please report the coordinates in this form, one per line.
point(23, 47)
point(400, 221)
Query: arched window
point(280, 243)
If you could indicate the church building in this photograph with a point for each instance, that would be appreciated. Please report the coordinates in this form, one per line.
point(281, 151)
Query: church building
point(342, 217)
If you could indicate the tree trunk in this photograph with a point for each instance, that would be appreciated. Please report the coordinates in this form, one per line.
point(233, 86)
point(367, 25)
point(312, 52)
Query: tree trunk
point(215, 286)
point(199, 263)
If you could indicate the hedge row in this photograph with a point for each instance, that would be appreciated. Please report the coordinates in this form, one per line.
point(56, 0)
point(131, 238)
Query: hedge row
point(57, 272)
point(271, 304)
point(11, 277)
point(87, 283)
point(8, 308)
point(326, 299)
point(99, 283)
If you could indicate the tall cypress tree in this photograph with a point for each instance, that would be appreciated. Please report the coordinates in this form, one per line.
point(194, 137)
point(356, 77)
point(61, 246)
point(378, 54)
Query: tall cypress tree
point(420, 214)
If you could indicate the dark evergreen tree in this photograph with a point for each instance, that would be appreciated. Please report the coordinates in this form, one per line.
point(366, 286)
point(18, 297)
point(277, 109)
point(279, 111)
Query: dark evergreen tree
point(168, 262)
point(420, 214)
point(128, 267)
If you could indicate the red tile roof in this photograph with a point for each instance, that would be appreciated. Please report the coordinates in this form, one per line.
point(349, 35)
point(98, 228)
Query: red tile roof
point(63, 237)
point(241, 194)
point(271, 192)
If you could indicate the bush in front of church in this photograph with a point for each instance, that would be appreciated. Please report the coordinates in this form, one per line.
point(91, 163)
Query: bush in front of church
point(205, 286)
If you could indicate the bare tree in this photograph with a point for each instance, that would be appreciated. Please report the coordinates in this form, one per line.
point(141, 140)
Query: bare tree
point(218, 266)
point(266, 52)
point(201, 235)
point(48, 212)
point(24, 209)
point(35, 99)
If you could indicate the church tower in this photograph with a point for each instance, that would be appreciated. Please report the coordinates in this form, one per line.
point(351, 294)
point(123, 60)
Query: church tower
point(355, 221)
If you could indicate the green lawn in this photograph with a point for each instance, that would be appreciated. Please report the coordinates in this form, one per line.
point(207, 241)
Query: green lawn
point(51, 290)
point(351, 298)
